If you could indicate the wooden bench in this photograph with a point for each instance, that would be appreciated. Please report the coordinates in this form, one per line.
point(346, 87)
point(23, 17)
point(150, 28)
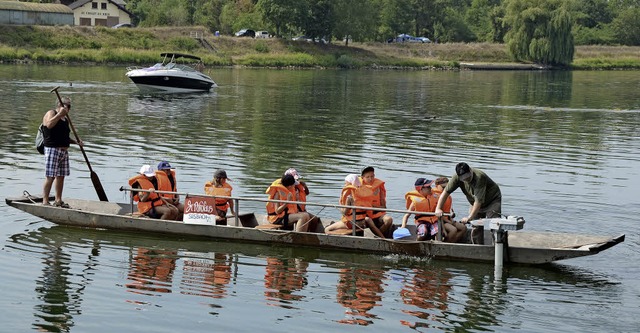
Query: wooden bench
point(269, 226)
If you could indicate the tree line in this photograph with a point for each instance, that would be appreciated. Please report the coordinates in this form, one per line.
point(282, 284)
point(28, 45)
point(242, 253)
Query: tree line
point(544, 31)
point(606, 22)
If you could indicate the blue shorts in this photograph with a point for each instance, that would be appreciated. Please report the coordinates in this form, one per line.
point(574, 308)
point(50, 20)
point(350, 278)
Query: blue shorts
point(56, 161)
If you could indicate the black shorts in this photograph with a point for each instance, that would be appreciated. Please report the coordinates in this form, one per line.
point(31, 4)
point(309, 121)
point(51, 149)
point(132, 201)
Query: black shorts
point(378, 221)
point(152, 213)
point(284, 221)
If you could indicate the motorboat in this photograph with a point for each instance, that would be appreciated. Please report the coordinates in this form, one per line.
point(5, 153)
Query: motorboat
point(169, 76)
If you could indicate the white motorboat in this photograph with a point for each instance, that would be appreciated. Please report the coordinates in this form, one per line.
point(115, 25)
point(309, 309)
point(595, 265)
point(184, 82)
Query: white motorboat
point(171, 77)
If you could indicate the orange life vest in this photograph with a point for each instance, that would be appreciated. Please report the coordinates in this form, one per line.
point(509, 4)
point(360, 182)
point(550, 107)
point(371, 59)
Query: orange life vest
point(371, 196)
point(446, 207)
point(355, 193)
point(300, 194)
point(164, 184)
point(422, 204)
point(279, 192)
point(145, 184)
point(225, 191)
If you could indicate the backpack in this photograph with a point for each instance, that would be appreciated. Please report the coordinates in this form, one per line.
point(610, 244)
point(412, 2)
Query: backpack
point(40, 139)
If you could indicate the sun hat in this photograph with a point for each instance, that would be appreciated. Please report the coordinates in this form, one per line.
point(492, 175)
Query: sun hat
point(147, 170)
point(463, 171)
point(353, 179)
point(164, 165)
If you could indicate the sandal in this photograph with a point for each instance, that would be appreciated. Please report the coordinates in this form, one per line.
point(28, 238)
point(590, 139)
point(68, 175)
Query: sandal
point(61, 204)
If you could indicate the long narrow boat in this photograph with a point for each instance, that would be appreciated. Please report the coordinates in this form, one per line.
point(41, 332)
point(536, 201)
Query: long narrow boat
point(521, 247)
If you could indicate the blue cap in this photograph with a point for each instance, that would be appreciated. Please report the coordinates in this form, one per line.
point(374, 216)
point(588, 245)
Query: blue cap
point(401, 233)
point(164, 165)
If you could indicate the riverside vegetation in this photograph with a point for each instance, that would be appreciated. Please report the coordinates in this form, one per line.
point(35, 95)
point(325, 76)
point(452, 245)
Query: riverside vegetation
point(66, 44)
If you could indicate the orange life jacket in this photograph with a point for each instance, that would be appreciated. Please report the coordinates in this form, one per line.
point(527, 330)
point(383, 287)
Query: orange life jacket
point(422, 204)
point(446, 207)
point(279, 192)
point(145, 184)
point(371, 195)
point(355, 193)
point(164, 184)
point(300, 194)
point(225, 191)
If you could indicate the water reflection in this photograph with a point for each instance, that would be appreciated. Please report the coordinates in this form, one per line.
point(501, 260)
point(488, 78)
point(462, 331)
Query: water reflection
point(359, 291)
point(428, 290)
point(208, 277)
point(151, 271)
point(283, 279)
point(441, 295)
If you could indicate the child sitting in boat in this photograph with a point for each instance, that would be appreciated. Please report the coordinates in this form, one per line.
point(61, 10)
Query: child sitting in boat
point(351, 196)
point(151, 204)
point(219, 186)
point(422, 200)
point(286, 214)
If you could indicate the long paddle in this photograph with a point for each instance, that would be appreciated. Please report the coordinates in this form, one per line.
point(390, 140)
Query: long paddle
point(94, 177)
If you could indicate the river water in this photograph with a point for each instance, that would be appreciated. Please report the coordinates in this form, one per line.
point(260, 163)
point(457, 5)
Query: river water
point(563, 146)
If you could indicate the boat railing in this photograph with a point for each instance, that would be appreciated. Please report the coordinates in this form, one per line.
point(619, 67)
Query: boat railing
point(236, 201)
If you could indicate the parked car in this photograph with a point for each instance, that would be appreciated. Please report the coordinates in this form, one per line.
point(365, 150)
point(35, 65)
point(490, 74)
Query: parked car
point(404, 38)
point(123, 25)
point(246, 33)
point(309, 39)
point(262, 34)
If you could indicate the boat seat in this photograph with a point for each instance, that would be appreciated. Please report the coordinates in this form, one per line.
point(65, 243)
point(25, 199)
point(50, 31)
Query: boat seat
point(344, 232)
point(269, 226)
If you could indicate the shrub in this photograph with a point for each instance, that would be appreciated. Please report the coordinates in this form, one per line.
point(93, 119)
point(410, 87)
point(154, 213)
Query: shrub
point(262, 47)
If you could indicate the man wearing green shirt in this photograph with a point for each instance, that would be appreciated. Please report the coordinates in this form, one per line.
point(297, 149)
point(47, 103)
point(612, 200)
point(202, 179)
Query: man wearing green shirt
point(481, 191)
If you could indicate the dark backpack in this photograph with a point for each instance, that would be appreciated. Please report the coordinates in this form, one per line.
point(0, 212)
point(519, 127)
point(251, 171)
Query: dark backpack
point(40, 139)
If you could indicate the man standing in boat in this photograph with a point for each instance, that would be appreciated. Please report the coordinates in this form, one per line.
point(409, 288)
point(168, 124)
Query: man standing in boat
point(481, 191)
point(56, 144)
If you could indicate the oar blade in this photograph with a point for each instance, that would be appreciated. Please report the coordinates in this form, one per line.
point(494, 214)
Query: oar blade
point(98, 186)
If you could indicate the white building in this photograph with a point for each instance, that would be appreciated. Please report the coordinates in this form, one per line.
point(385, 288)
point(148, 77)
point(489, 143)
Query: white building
point(100, 12)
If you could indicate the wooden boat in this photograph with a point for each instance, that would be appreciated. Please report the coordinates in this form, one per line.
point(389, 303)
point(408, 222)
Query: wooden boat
point(521, 247)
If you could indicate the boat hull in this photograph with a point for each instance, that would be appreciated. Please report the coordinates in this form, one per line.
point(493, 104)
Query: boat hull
point(170, 81)
point(527, 247)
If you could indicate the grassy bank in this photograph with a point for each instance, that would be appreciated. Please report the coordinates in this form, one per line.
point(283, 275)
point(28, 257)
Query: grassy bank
point(142, 46)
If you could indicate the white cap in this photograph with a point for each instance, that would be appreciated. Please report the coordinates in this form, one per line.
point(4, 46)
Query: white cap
point(147, 170)
point(294, 173)
point(353, 179)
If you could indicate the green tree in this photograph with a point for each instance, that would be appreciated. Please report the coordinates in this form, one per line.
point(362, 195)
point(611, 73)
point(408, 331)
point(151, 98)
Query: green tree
point(317, 19)
point(480, 18)
point(395, 17)
point(626, 27)
point(279, 13)
point(357, 19)
point(540, 31)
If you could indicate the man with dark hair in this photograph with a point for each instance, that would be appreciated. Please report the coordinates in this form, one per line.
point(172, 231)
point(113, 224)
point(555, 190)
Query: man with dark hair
point(481, 191)
point(56, 143)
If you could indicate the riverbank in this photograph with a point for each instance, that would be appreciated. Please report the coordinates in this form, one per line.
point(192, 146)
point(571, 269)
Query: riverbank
point(141, 46)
